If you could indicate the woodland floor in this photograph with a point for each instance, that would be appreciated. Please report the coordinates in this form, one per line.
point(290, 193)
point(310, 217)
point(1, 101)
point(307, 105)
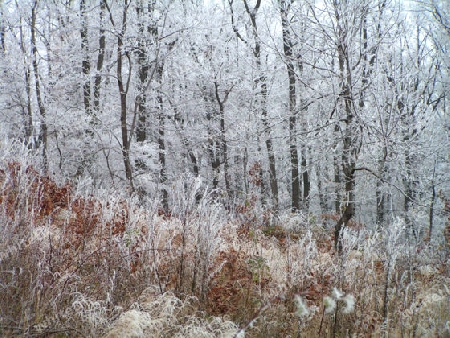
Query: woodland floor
point(87, 266)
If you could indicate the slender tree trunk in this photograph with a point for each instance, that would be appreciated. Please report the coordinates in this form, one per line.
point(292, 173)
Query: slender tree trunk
point(123, 91)
point(293, 150)
point(179, 124)
point(337, 175)
point(86, 86)
point(214, 147)
point(379, 193)
point(28, 114)
point(306, 182)
point(245, 169)
point(223, 140)
point(161, 144)
point(214, 153)
point(270, 151)
point(42, 140)
point(433, 198)
point(29, 111)
point(100, 60)
point(143, 71)
point(85, 63)
point(162, 158)
point(351, 137)
point(380, 200)
point(2, 29)
point(262, 82)
point(409, 191)
point(321, 190)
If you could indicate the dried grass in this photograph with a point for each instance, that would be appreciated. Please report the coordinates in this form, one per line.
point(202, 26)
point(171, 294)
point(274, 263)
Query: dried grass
point(88, 266)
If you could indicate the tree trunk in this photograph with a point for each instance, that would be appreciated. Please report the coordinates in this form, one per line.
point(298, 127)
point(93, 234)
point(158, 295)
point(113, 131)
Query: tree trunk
point(409, 190)
point(100, 59)
point(28, 114)
point(379, 193)
point(350, 146)
point(161, 145)
point(262, 81)
point(223, 140)
point(2, 28)
point(433, 199)
point(86, 86)
point(143, 71)
point(306, 182)
point(123, 91)
point(85, 63)
point(293, 151)
point(337, 175)
point(214, 151)
point(321, 190)
point(42, 140)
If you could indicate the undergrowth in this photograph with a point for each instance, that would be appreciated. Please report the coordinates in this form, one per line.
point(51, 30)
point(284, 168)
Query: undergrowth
point(79, 265)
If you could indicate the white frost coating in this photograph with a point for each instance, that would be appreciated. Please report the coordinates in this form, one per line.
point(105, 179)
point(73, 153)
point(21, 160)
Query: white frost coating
point(161, 315)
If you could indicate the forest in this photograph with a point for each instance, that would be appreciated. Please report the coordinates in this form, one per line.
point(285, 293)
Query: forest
point(224, 168)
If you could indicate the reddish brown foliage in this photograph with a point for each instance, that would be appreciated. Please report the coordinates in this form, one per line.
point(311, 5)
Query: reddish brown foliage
point(255, 174)
point(39, 193)
point(81, 218)
point(231, 287)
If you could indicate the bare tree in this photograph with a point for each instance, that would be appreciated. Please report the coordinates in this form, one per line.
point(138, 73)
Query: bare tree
point(42, 140)
point(287, 49)
point(263, 93)
point(123, 86)
point(100, 61)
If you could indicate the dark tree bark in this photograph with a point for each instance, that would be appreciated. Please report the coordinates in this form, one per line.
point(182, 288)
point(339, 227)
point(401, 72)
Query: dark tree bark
point(223, 140)
point(2, 28)
point(161, 144)
point(305, 176)
point(143, 74)
point(85, 63)
point(42, 140)
point(293, 150)
point(123, 91)
point(27, 111)
point(263, 94)
point(337, 175)
point(100, 60)
point(321, 190)
point(351, 132)
point(214, 147)
point(86, 86)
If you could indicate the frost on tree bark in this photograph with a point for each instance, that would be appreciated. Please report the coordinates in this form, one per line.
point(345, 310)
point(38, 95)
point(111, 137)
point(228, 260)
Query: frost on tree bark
point(299, 178)
point(149, 71)
point(223, 141)
point(159, 64)
point(351, 138)
point(293, 150)
point(123, 87)
point(85, 63)
point(410, 111)
point(86, 87)
point(42, 139)
point(263, 94)
point(28, 113)
point(161, 142)
point(2, 28)
point(100, 60)
point(143, 75)
point(214, 147)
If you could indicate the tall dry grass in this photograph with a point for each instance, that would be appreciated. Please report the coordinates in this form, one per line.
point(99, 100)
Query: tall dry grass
point(79, 265)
